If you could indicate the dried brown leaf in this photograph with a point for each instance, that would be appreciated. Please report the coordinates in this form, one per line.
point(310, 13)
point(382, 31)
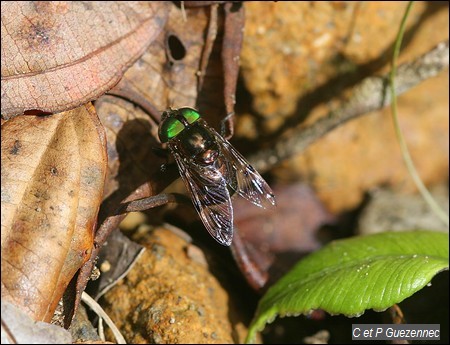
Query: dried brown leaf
point(53, 172)
point(59, 55)
point(231, 49)
point(131, 137)
point(166, 74)
point(274, 239)
point(290, 226)
point(116, 258)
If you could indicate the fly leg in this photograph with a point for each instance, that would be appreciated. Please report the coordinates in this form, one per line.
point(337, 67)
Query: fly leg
point(227, 126)
point(163, 153)
point(152, 202)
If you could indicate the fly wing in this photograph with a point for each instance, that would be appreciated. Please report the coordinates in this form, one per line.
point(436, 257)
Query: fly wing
point(250, 184)
point(210, 197)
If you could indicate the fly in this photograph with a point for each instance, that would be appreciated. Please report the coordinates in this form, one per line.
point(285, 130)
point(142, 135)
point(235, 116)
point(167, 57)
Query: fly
point(212, 170)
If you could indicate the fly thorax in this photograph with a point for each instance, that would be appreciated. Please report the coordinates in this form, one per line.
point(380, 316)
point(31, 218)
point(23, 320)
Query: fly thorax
point(196, 142)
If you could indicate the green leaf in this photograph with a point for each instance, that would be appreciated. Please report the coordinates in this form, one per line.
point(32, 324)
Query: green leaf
point(352, 275)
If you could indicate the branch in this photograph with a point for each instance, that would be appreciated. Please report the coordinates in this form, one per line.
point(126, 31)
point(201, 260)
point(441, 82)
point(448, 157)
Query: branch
point(102, 314)
point(369, 95)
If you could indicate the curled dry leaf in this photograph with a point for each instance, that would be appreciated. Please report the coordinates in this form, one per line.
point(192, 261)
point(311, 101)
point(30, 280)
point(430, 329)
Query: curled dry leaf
point(231, 49)
point(53, 172)
point(59, 55)
point(210, 100)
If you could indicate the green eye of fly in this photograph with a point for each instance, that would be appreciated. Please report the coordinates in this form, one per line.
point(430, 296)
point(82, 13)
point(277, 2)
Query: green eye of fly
point(190, 115)
point(170, 129)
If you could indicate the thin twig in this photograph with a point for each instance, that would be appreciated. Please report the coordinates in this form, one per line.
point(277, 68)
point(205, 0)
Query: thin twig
point(369, 95)
point(100, 312)
point(101, 329)
point(434, 206)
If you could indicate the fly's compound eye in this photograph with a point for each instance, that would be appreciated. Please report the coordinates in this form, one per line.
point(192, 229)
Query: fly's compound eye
point(169, 129)
point(190, 115)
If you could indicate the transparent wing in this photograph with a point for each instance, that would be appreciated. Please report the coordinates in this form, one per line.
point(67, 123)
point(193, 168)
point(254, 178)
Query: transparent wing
point(250, 184)
point(210, 197)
